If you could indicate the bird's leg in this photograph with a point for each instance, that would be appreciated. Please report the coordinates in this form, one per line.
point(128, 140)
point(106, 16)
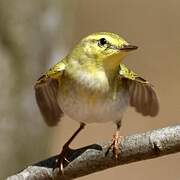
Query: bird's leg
point(115, 141)
point(65, 150)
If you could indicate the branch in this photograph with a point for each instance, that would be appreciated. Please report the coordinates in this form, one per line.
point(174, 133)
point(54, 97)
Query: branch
point(92, 158)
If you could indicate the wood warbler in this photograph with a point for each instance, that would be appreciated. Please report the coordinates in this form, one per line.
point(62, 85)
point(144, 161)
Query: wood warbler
point(92, 85)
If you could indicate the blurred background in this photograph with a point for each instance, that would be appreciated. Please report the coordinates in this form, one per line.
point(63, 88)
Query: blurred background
point(36, 34)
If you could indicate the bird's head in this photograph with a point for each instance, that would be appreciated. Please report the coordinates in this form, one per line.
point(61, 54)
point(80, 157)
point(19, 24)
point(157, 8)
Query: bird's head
point(102, 48)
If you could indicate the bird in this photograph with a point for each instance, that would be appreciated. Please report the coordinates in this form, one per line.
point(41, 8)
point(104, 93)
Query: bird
point(92, 85)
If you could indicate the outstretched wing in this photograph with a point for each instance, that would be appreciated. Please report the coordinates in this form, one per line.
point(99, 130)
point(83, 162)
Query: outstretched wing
point(46, 92)
point(141, 92)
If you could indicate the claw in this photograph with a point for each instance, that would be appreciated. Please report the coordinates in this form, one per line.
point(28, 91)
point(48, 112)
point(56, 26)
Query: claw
point(62, 159)
point(115, 145)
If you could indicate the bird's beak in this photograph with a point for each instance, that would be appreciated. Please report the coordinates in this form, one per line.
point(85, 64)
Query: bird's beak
point(128, 48)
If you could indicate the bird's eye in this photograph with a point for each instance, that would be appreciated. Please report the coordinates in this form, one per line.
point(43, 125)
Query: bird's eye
point(102, 42)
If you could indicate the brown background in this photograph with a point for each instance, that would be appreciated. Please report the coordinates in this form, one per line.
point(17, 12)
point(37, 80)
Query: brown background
point(33, 35)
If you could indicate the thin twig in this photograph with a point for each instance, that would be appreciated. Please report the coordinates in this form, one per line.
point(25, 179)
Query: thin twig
point(92, 158)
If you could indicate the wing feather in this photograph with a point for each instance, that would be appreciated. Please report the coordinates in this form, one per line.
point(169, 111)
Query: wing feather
point(142, 94)
point(46, 93)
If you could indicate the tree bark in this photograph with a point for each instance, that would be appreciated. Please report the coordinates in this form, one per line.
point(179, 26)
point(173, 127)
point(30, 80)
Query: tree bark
point(90, 159)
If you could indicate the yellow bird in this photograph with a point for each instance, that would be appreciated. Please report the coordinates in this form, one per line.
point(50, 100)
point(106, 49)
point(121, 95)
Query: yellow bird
point(92, 85)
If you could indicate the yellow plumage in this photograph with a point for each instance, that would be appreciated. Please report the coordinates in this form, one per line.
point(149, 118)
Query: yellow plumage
point(92, 85)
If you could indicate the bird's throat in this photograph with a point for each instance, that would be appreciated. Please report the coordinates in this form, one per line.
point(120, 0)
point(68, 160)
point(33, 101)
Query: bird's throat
point(111, 65)
point(97, 75)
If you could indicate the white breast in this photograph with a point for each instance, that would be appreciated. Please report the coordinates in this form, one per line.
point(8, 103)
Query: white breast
point(88, 106)
point(100, 111)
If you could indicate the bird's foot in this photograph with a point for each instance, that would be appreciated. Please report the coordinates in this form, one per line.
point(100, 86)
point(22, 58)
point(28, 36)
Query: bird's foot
point(115, 145)
point(62, 159)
